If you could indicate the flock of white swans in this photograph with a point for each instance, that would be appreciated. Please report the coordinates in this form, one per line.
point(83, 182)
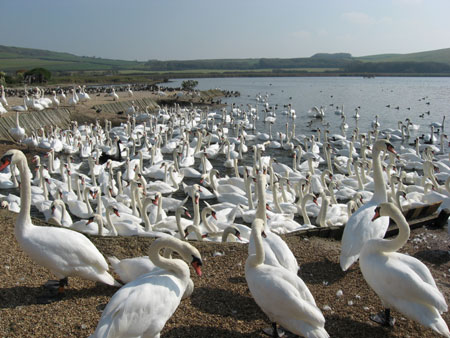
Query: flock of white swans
point(129, 176)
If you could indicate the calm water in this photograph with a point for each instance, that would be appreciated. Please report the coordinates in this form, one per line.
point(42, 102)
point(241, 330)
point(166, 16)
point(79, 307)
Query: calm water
point(413, 97)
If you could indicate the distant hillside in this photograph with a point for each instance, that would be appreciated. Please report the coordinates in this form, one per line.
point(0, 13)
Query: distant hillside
point(430, 62)
point(439, 55)
point(15, 58)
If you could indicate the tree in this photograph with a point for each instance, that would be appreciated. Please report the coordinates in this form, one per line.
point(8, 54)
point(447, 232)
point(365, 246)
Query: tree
point(189, 84)
point(38, 75)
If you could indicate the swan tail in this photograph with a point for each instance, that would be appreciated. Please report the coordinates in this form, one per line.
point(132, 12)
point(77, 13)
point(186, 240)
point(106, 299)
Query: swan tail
point(318, 332)
point(425, 314)
point(441, 327)
point(347, 261)
point(306, 329)
point(106, 278)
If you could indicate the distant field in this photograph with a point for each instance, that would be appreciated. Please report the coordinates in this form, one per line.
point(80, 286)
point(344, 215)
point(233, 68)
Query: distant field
point(203, 71)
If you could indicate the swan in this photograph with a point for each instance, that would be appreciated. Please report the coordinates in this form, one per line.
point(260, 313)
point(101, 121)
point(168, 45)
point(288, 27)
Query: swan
point(277, 252)
point(55, 100)
point(280, 293)
point(142, 307)
point(357, 231)
point(438, 125)
point(3, 100)
point(174, 223)
point(402, 282)
point(129, 269)
point(222, 235)
point(114, 95)
point(79, 208)
point(124, 227)
point(11, 206)
point(59, 217)
point(21, 108)
point(64, 252)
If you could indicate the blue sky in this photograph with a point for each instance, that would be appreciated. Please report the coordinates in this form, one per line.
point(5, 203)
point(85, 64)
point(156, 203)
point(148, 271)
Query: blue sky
point(200, 29)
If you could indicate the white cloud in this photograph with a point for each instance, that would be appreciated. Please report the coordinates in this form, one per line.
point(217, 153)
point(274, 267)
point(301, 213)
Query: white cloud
point(358, 18)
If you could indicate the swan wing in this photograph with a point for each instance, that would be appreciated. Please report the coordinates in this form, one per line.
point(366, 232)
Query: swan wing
point(280, 299)
point(277, 253)
point(141, 308)
point(66, 252)
point(358, 230)
point(131, 268)
point(417, 266)
point(397, 282)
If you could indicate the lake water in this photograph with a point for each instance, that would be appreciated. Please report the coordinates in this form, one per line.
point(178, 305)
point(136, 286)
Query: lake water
point(413, 96)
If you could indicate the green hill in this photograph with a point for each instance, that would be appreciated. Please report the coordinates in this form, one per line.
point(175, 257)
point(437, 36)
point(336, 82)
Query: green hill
point(15, 58)
point(429, 62)
point(439, 55)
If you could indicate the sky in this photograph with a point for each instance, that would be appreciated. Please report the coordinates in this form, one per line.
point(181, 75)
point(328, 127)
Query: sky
point(212, 29)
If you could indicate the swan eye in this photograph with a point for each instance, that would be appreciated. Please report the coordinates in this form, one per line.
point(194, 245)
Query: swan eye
point(196, 260)
point(5, 161)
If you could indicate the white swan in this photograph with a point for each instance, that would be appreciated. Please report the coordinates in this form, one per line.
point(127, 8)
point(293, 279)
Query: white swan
point(21, 108)
point(277, 252)
point(142, 307)
point(281, 294)
point(18, 133)
point(62, 251)
point(357, 230)
point(402, 282)
point(59, 217)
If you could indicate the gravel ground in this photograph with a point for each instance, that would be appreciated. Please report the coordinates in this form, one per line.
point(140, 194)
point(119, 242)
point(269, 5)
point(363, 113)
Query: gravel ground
point(221, 305)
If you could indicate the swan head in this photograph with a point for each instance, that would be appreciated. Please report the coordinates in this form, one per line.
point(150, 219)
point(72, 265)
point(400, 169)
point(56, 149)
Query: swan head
point(258, 226)
point(236, 232)
point(183, 210)
point(385, 209)
point(10, 157)
point(384, 145)
point(190, 254)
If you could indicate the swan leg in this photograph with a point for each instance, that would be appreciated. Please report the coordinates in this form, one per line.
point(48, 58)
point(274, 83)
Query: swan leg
point(274, 331)
point(57, 285)
point(383, 318)
point(56, 288)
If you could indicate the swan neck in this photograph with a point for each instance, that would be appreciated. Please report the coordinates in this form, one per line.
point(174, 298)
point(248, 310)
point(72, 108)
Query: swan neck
point(402, 237)
point(86, 200)
point(179, 227)
point(260, 190)
point(306, 198)
point(323, 210)
point(24, 217)
point(111, 226)
point(380, 194)
point(205, 221)
point(248, 192)
point(196, 212)
point(177, 266)
point(258, 257)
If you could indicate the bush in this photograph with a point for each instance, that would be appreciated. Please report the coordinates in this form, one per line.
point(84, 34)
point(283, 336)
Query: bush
point(189, 84)
point(38, 75)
